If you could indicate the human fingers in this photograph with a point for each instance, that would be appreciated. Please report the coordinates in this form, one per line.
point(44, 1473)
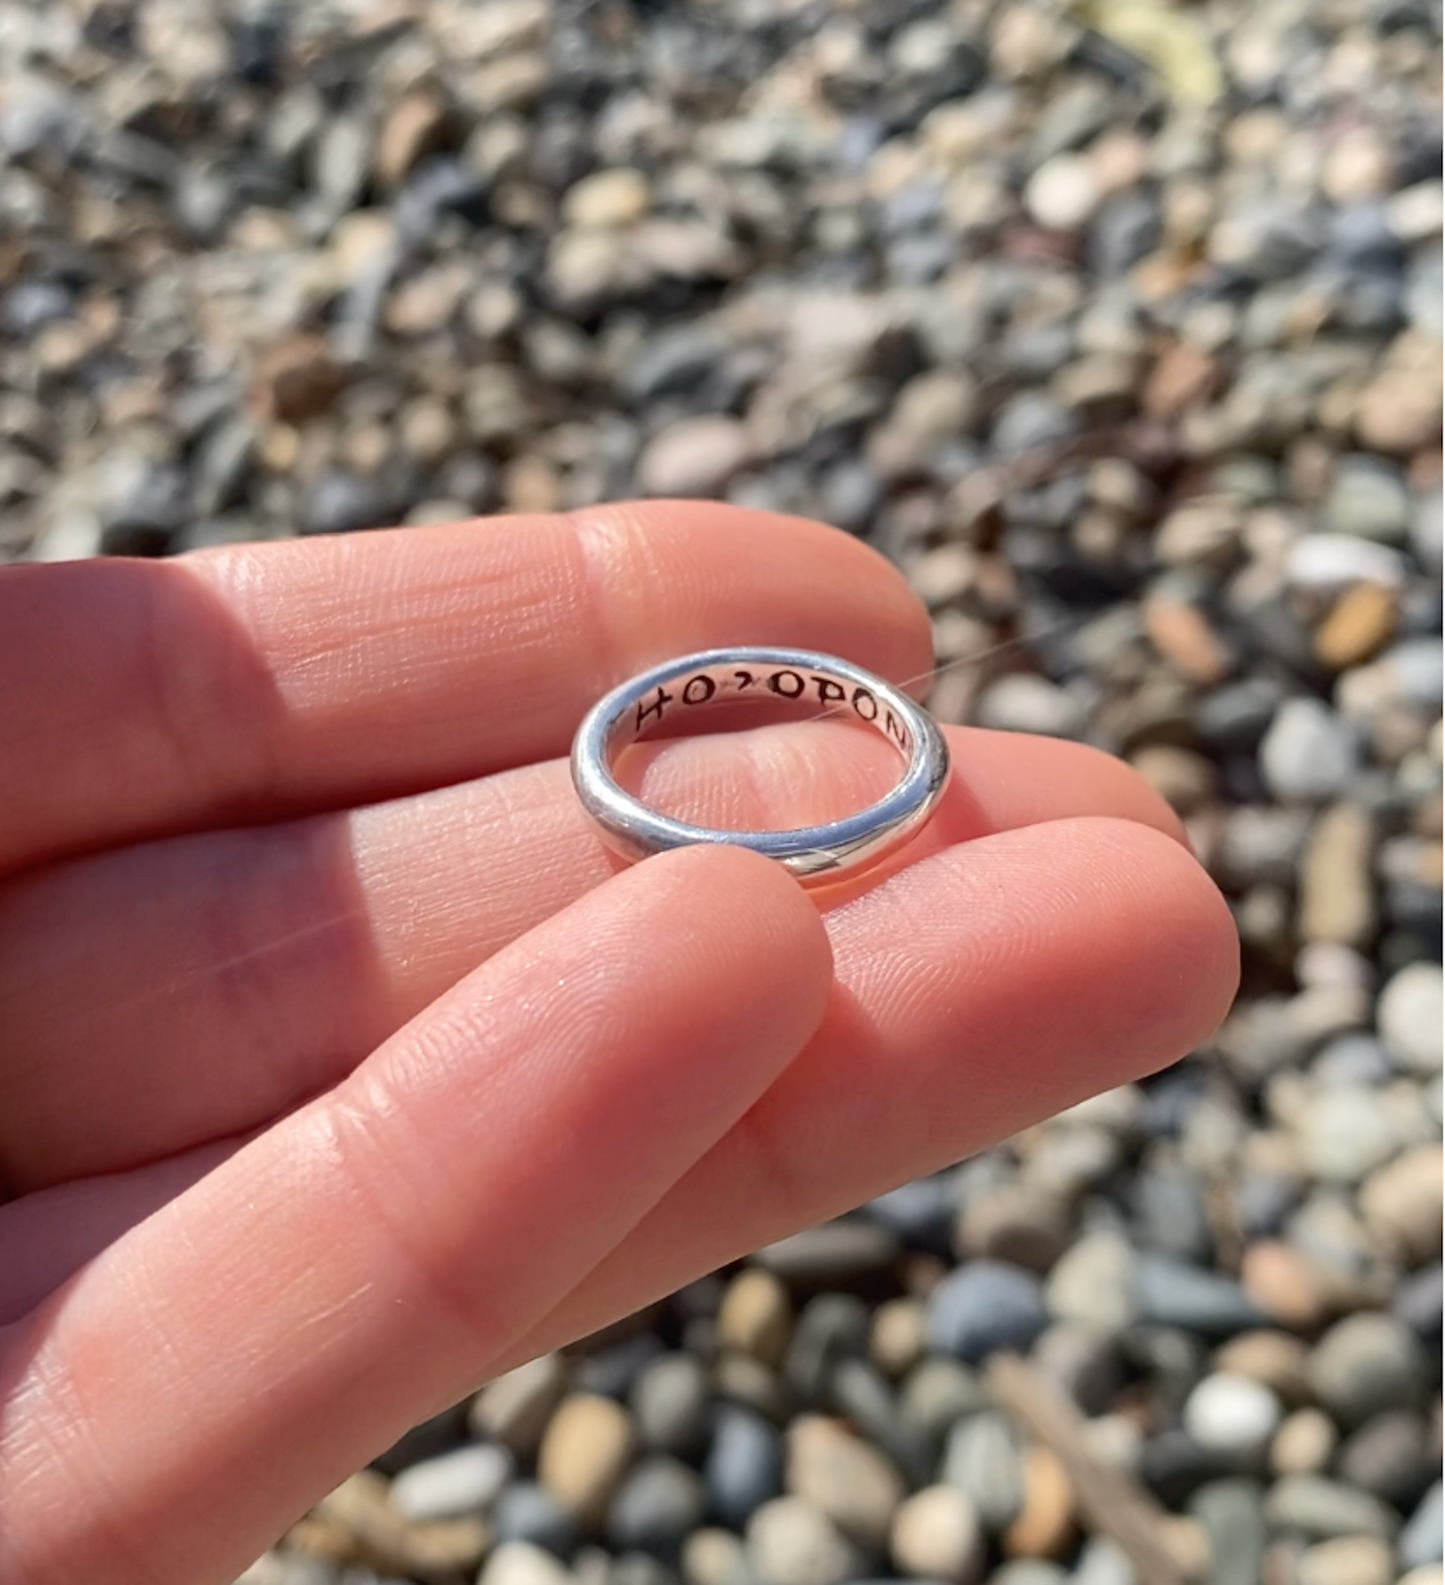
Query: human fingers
point(291, 950)
point(977, 992)
point(259, 681)
point(352, 1269)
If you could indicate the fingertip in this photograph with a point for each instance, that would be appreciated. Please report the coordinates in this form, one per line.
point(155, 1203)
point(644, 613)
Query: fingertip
point(757, 910)
point(1207, 943)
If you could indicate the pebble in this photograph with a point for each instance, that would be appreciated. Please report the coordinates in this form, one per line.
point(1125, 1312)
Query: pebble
point(1172, 1293)
point(605, 199)
point(467, 1481)
point(1231, 1515)
point(1023, 702)
point(1332, 563)
point(843, 1477)
point(714, 1557)
point(1337, 899)
point(671, 1403)
point(985, 1306)
point(658, 1504)
point(1063, 193)
point(1016, 1223)
point(1322, 1509)
point(1390, 1457)
point(1093, 1283)
point(518, 1563)
point(936, 1393)
point(693, 457)
point(1346, 1132)
point(984, 1458)
point(836, 1254)
point(744, 1467)
point(790, 1542)
point(936, 1535)
point(1308, 754)
point(1401, 1203)
point(832, 1327)
point(1369, 499)
point(1409, 1017)
point(1304, 1444)
point(1420, 1540)
point(756, 1316)
point(1362, 622)
point(1366, 1363)
point(898, 1338)
point(525, 1512)
point(1348, 1560)
point(515, 1408)
point(1232, 1415)
point(1044, 1525)
point(584, 1453)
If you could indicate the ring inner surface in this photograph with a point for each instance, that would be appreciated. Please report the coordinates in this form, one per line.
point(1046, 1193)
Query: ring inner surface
point(692, 692)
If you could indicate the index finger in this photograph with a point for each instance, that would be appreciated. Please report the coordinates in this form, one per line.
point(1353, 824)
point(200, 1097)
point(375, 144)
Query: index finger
point(255, 682)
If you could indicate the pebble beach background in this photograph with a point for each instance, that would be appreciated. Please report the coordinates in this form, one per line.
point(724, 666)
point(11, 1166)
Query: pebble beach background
point(1116, 324)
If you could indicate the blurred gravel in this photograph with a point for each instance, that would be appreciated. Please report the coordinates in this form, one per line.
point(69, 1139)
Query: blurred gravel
point(1118, 326)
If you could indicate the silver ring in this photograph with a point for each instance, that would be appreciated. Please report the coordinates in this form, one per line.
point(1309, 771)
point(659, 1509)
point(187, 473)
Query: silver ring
point(692, 683)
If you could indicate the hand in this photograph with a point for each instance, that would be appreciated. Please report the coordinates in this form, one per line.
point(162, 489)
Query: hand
point(341, 1070)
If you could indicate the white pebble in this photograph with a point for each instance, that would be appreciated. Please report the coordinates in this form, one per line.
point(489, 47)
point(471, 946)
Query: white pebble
point(1409, 1016)
point(464, 1482)
point(1063, 193)
point(1231, 1414)
point(1327, 562)
point(521, 1563)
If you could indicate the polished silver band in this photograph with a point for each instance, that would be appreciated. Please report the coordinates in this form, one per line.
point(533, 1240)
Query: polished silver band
point(692, 683)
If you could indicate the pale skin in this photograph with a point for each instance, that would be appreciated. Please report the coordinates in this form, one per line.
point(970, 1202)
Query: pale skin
point(342, 1065)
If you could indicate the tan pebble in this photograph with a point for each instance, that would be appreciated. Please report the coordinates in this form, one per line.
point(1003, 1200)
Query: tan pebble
point(1358, 167)
point(1304, 1444)
point(1285, 1285)
point(693, 456)
point(607, 198)
point(584, 1453)
point(714, 1557)
point(1044, 1526)
point(1362, 622)
point(844, 1477)
point(279, 448)
point(756, 1316)
point(357, 1524)
point(1182, 634)
point(1183, 779)
point(1026, 41)
point(937, 1535)
point(899, 1336)
point(1399, 412)
point(1183, 376)
point(414, 128)
point(1187, 1543)
point(531, 484)
point(1275, 1359)
point(360, 241)
point(1119, 160)
point(1348, 1560)
point(1336, 881)
point(1401, 1206)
